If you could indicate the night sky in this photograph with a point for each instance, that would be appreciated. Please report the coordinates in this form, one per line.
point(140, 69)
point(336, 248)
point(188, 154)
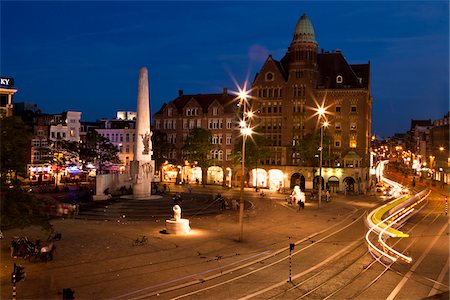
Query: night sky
point(85, 56)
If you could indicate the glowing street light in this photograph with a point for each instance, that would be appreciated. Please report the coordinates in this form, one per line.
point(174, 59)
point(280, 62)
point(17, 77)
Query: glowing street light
point(243, 95)
point(321, 112)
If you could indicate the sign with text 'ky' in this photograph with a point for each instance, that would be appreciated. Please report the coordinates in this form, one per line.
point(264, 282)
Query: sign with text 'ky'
point(6, 81)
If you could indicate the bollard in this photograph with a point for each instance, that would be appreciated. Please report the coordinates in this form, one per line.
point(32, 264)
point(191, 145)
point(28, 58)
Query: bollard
point(291, 248)
point(446, 206)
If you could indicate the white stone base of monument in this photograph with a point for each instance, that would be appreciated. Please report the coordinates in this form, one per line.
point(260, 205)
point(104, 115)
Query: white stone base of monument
point(177, 227)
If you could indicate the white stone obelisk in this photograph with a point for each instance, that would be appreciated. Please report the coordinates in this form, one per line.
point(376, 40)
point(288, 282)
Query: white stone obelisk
point(142, 166)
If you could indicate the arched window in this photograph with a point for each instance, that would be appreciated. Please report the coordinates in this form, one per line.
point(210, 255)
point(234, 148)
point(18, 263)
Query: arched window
point(339, 79)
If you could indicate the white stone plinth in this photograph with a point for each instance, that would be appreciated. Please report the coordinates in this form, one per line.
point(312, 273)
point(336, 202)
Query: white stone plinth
point(177, 227)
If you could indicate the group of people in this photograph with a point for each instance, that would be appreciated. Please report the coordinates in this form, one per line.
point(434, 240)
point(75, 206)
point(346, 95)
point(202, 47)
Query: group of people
point(298, 197)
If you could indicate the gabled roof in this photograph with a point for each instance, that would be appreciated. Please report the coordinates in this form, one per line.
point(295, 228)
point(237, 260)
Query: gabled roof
point(334, 64)
point(204, 100)
point(277, 64)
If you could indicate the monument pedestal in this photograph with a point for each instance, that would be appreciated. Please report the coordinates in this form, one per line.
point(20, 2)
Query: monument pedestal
point(180, 226)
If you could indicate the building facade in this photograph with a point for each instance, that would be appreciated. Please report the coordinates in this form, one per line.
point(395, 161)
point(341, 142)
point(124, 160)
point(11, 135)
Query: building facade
point(66, 127)
point(121, 133)
point(288, 95)
point(213, 112)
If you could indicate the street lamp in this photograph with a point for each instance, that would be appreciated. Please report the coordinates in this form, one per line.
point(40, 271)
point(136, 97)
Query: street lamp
point(325, 124)
point(321, 112)
point(246, 131)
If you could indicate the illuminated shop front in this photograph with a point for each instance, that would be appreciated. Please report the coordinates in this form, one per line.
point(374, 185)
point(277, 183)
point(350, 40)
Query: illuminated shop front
point(169, 173)
point(276, 180)
point(258, 178)
point(214, 175)
point(192, 174)
point(40, 173)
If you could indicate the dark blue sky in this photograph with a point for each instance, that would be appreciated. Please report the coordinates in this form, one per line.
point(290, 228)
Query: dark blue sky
point(85, 56)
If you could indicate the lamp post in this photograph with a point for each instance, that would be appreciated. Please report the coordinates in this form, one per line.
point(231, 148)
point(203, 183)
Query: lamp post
point(245, 131)
point(321, 112)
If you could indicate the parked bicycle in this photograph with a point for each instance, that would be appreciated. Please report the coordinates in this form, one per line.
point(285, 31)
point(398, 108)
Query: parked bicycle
point(140, 241)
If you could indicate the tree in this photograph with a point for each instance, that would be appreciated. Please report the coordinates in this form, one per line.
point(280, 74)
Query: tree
point(256, 150)
point(161, 148)
point(308, 149)
point(14, 147)
point(20, 208)
point(198, 149)
point(99, 150)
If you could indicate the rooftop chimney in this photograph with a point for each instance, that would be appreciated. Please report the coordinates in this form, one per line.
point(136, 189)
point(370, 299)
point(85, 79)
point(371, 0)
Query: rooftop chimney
point(180, 93)
point(225, 91)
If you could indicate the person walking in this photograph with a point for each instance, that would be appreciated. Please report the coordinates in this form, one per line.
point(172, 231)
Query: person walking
point(327, 194)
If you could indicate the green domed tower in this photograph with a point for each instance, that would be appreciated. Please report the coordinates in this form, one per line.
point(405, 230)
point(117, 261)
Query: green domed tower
point(302, 52)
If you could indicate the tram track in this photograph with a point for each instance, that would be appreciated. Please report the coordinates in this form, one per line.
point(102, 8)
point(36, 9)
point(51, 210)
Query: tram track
point(330, 289)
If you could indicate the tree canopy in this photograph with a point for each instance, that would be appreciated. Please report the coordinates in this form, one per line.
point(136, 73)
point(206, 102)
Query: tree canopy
point(15, 144)
point(99, 150)
point(161, 148)
point(198, 149)
point(256, 151)
point(308, 149)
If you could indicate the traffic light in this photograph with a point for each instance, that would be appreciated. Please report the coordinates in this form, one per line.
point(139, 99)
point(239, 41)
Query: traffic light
point(68, 294)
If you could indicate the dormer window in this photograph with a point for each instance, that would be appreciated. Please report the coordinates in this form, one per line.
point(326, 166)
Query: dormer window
point(339, 79)
point(169, 112)
point(215, 111)
point(269, 76)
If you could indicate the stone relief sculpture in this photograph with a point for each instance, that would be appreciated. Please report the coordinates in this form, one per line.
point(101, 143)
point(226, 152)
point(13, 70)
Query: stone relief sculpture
point(146, 142)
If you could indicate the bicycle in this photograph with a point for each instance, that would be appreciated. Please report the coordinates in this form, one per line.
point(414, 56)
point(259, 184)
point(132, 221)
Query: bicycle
point(140, 241)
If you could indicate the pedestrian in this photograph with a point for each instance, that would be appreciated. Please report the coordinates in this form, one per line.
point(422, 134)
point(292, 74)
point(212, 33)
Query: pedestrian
point(223, 205)
point(190, 189)
point(327, 194)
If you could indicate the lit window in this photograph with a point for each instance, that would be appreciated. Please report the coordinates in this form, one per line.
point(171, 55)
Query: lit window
point(337, 126)
point(352, 142)
point(353, 126)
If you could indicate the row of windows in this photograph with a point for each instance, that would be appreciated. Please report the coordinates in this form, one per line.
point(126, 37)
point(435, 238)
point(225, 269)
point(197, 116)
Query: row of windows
point(194, 123)
point(119, 137)
point(352, 109)
point(352, 143)
point(307, 55)
point(192, 111)
point(337, 126)
point(300, 91)
point(270, 93)
point(217, 139)
point(39, 143)
point(126, 150)
point(216, 154)
point(271, 109)
point(58, 135)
